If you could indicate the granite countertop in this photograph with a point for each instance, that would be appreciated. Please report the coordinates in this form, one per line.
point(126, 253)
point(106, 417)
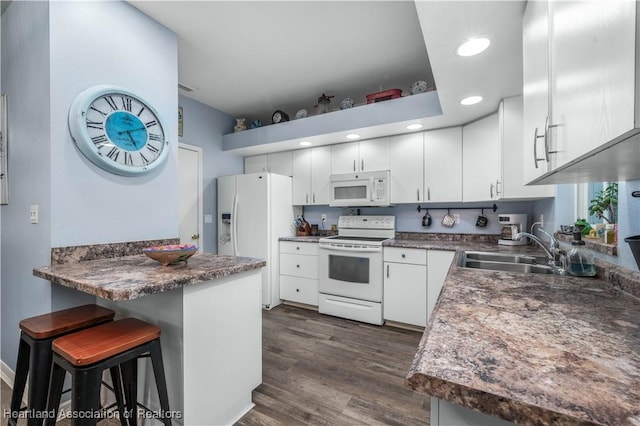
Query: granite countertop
point(130, 277)
point(307, 239)
point(532, 349)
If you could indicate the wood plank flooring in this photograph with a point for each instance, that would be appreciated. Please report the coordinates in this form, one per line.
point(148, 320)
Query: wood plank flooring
point(321, 370)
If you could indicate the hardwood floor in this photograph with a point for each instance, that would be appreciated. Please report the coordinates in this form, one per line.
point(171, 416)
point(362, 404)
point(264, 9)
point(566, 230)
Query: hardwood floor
point(321, 370)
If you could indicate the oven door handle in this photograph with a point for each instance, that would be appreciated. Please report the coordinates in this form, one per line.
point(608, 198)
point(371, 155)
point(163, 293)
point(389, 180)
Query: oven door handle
point(353, 249)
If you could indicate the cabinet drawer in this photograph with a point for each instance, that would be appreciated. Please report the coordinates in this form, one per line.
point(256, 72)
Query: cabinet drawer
point(403, 255)
point(299, 248)
point(299, 265)
point(301, 290)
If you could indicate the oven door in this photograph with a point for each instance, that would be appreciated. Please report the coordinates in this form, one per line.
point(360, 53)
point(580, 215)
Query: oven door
point(354, 272)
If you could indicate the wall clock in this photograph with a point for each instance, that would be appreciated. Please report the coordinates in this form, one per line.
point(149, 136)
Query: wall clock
point(118, 130)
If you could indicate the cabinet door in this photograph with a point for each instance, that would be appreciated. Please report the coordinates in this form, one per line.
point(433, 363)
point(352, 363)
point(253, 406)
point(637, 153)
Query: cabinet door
point(280, 163)
point(344, 158)
point(255, 164)
point(406, 165)
point(301, 290)
point(535, 43)
point(301, 177)
point(405, 293)
point(592, 74)
point(443, 165)
point(439, 262)
point(510, 118)
point(373, 155)
point(481, 159)
point(320, 172)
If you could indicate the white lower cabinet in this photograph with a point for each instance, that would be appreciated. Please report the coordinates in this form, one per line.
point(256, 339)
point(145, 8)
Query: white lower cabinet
point(413, 279)
point(299, 272)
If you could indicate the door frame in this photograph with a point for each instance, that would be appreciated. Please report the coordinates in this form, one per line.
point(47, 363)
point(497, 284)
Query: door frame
point(200, 152)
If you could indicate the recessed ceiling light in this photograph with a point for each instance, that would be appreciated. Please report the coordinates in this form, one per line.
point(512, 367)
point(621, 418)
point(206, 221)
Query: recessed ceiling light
point(473, 46)
point(305, 143)
point(352, 136)
point(471, 100)
point(414, 126)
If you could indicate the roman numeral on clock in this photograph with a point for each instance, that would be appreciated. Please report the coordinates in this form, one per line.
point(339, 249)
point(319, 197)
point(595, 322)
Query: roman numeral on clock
point(144, 159)
point(99, 140)
point(126, 103)
point(128, 159)
point(95, 124)
point(114, 153)
point(111, 102)
point(152, 148)
point(151, 123)
point(154, 137)
point(97, 110)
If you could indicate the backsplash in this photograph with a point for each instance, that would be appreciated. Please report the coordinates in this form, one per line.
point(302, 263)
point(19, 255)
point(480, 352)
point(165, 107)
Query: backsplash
point(72, 254)
point(408, 219)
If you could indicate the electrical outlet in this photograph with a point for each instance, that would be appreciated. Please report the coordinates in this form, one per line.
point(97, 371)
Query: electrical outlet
point(323, 217)
point(33, 214)
point(541, 220)
point(456, 217)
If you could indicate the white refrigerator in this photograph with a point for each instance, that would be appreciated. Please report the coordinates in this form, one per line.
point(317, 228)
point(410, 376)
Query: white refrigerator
point(254, 210)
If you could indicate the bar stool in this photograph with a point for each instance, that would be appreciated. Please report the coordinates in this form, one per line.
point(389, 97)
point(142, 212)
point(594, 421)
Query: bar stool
point(34, 353)
point(86, 354)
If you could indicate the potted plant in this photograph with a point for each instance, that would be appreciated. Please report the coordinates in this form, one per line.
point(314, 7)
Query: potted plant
point(605, 204)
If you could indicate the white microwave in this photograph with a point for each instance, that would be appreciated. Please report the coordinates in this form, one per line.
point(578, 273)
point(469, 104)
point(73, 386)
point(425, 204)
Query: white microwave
point(360, 189)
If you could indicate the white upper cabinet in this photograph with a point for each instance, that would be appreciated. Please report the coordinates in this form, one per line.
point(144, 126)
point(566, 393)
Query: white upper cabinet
point(406, 168)
point(535, 39)
point(443, 165)
point(481, 160)
point(580, 91)
point(365, 156)
point(592, 75)
point(277, 162)
point(311, 169)
point(513, 181)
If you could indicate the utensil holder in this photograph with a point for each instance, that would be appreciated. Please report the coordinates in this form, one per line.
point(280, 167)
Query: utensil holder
point(303, 233)
point(634, 244)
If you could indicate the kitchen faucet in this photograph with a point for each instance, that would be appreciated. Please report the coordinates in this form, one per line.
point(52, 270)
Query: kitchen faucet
point(550, 255)
point(554, 245)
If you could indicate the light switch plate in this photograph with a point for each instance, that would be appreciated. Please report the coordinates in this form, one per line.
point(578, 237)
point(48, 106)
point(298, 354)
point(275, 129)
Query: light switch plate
point(33, 214)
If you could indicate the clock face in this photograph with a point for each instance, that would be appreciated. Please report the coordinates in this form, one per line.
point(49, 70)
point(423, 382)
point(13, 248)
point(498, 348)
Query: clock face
point(117, 130)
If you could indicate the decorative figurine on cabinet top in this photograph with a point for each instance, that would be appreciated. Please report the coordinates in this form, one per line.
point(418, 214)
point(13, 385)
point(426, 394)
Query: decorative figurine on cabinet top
point(240, 126)
point(302, 113)
point(324, 104)
point(346, 103)
point(279, 117)
point(255, 124)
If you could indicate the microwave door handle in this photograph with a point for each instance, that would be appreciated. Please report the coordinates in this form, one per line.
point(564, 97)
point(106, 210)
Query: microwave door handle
point(373, 189)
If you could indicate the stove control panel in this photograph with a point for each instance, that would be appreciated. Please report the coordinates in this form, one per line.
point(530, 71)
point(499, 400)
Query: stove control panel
point(367, 222)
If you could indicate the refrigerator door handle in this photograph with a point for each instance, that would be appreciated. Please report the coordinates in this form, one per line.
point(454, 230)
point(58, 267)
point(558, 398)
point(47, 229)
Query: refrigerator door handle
point(234, 225)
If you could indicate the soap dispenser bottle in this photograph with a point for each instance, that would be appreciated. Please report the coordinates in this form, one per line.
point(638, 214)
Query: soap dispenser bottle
point(580, 260)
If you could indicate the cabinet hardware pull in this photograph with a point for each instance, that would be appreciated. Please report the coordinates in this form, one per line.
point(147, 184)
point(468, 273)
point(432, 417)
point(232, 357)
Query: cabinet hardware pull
point(428, 194)
point(536, 136)
point(306, 201)
point(354, 165)
point(497, 183)
point(297, 290)
point(547, 143)
point(418, 194)
point(297, 248)
point(297, 266)
point(362, 164)
point(314, 198)
point(387, 271)
point(404, 255)
point(491, 190)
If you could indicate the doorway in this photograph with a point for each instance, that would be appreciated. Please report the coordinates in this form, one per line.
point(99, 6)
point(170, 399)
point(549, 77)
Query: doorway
point(190, 194)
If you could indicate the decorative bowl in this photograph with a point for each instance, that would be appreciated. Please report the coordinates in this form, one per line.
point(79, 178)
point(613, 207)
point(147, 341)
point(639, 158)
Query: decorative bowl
point(346, 103)
point(170, 254)
point(418, 87)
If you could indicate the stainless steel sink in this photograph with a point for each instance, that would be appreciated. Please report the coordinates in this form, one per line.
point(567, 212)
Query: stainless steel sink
point(508, 262)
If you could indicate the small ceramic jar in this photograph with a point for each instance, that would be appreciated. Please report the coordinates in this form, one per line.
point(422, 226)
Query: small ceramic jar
point(346, 103)
point(418, 87)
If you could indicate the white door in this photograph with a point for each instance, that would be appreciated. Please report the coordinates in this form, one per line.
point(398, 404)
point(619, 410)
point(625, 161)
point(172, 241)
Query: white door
point(374, 155)
point(344, 158)
point(443, 165)
point(481, 159)
point(190, 194)
point(301, 171)
point(405, 293)
point(320, 172)
point(405, 163)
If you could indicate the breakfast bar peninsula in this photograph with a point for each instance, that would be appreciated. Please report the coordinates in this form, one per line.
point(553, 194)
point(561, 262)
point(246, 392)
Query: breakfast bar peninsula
point(210, 313)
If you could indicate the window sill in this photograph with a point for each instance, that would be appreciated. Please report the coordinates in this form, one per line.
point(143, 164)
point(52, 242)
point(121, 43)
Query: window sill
point(591, 243)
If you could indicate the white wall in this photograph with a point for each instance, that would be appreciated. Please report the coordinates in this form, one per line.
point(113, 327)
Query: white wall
point(25, 80)
point(50, 52)
point(204, 127)
point(110, 43)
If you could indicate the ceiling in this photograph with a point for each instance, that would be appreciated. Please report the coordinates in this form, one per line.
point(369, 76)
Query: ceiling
point(249, 59)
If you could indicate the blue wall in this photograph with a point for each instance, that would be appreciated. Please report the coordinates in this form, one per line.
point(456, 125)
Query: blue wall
point(204, 127)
